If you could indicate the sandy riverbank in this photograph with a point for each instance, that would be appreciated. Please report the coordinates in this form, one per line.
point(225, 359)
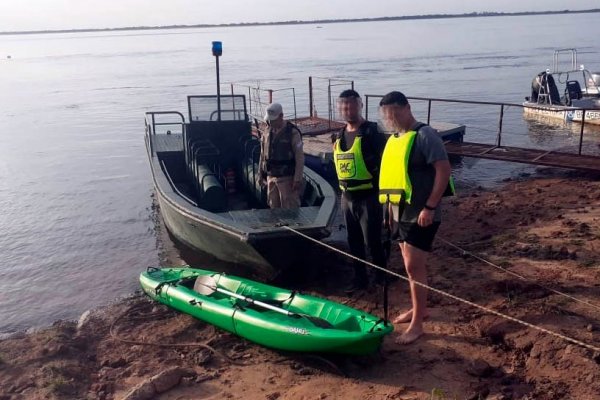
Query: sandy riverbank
point(544, 228)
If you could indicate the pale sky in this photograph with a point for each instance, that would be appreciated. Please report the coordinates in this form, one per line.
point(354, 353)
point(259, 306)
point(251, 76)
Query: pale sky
point(18, 15)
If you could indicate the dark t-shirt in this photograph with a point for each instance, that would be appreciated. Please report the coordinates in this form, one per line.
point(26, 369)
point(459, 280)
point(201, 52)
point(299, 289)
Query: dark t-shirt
point(428, 148)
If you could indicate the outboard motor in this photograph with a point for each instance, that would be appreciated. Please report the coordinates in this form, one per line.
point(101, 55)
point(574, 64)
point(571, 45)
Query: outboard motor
point(552, 90)
point(544, 90)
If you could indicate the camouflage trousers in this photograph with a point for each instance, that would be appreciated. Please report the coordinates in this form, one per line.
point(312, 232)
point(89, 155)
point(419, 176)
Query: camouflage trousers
point(280, 193)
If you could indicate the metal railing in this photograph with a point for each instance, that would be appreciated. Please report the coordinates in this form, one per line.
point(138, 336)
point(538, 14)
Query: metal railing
point(502, 107)
point(314, 89)
point(152, 124)
point(322, 92)
point(259, 99)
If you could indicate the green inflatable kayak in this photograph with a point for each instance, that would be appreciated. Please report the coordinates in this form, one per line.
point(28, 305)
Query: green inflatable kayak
point(264, 314)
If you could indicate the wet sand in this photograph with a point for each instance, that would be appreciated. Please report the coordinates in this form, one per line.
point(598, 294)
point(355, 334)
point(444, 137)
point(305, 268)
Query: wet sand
point(545, 228)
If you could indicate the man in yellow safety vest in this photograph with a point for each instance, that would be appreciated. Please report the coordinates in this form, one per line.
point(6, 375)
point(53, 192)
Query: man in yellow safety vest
point(357, 153)
point(415, 174)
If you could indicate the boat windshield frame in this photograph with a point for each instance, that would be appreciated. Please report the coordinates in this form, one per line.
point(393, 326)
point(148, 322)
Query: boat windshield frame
point(206, 108)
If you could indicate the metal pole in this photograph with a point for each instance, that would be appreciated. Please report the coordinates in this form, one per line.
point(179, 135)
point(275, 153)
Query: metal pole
point(218, 91)
point(232, 97)
point(270, 95)
point(367, 107)
point(329, 103)
point(250, 100)
point(310, 97)
point(500, 125)
point(581, 132)
point(429, 112)
point(217, 50)
point(295, 111)
point(151, 136)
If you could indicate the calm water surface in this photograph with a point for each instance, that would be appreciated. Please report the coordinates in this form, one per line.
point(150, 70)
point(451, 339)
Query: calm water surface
point(76, 199)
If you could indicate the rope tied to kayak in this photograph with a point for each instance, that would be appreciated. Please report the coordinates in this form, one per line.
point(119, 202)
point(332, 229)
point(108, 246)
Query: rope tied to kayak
point(449, 295)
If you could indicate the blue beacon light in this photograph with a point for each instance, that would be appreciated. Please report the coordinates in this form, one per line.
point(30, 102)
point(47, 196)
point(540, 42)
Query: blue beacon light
point(217, 48)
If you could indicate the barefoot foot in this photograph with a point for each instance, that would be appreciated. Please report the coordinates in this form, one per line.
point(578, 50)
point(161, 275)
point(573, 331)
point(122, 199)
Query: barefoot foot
point(409, 336)
point(407, 317)
point(404, 317)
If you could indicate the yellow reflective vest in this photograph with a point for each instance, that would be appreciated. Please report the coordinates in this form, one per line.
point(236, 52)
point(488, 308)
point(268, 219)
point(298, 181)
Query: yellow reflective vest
point(394, 181)
point(350, 167)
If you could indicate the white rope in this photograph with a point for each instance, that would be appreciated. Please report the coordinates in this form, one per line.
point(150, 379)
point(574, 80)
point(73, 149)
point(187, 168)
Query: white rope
point(489, 310)
point(466, 252)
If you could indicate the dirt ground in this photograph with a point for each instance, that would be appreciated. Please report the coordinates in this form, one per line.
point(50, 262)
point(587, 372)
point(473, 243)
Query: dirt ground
point(545, 228)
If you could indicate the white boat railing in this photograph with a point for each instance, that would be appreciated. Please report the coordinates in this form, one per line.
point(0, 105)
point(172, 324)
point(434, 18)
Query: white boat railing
point(557, 53)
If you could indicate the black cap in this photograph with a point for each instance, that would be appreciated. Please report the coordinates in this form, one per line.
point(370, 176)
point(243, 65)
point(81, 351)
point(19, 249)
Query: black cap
point(394, 97)
point(349, 93)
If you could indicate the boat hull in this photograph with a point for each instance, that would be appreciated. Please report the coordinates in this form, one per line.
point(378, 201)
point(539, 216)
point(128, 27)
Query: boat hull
point(201, 236)
point(347, 330)
point(562, 113)
point(267, 250)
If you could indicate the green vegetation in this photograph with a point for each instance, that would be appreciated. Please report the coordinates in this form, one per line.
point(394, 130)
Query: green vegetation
point(437, 394)
point(58, 385)
point(317, 21)
point(502, 238)
point(56, 382)
point(588, 263)
point(512, 298)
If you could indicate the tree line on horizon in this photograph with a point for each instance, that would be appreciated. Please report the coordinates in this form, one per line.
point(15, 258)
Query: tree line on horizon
point(307, 22)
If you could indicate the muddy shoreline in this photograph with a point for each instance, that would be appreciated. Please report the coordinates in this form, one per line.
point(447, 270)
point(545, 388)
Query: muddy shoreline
point(544, 228)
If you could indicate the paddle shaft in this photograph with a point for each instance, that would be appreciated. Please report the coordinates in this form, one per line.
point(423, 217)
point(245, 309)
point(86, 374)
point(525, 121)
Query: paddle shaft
point(252, 301)
point(239, 296)
point(319, 322)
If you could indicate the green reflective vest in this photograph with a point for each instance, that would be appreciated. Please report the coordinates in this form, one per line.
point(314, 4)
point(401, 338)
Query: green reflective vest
point(350, 166)
point(394, 181)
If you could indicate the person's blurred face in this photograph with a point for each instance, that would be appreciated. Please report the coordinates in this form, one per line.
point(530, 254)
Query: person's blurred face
point(349, 108)
point(276, 123)
point(395, 118)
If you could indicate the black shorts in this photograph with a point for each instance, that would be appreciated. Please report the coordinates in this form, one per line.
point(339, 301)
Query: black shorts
point(416, 235)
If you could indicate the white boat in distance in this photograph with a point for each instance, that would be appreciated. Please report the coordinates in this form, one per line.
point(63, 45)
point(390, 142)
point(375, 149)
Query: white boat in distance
point(580, 88)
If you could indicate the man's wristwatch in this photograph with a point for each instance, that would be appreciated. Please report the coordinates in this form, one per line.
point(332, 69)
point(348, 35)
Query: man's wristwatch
point(429, 208)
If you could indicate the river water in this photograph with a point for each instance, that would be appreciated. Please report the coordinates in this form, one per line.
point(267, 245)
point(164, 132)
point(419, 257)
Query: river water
point(77, 214)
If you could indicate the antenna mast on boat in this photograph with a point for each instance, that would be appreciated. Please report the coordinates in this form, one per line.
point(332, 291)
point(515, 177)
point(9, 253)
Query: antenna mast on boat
point(217, 50)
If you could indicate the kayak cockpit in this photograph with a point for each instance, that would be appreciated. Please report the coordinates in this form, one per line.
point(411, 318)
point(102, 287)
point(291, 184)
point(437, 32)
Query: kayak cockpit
point(325, 314)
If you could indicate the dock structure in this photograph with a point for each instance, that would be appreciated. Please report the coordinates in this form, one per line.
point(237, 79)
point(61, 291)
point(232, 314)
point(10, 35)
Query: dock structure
point(317, 140)
point(548, 158)
point(319, 151)
point(310, 126)
point(572, 158)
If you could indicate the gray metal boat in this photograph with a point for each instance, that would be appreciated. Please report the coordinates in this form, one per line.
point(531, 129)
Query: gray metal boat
point(206, 177)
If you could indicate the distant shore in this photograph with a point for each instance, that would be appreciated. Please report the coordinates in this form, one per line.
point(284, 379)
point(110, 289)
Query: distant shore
point(320, 21)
